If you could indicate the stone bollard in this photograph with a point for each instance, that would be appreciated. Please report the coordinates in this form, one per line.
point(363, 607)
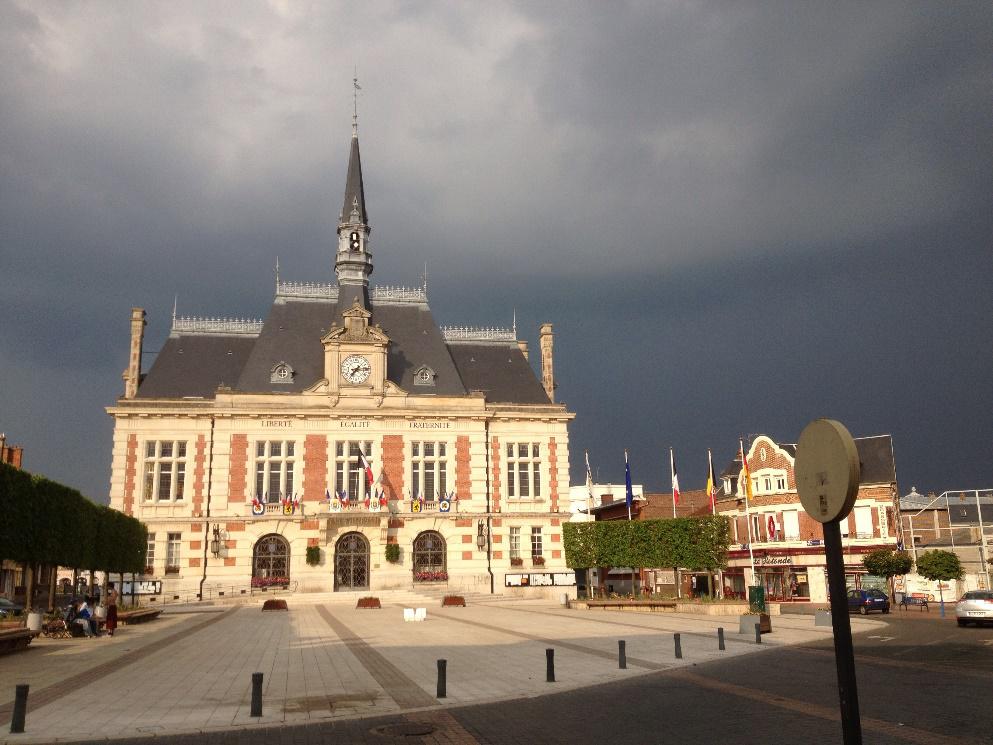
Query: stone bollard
point(549, 665)
point(758, 633)
point(442, 675)
point(720, 639)
point(622, 657)
point(256, 695)
point(679, 646)
point(20, 708)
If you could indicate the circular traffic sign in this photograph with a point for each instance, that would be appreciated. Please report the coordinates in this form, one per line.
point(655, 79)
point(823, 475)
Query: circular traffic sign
point(827, 470)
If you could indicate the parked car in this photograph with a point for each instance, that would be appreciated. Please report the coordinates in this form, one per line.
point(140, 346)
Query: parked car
point(976, 606)
point(865, 601)
point(9, 608)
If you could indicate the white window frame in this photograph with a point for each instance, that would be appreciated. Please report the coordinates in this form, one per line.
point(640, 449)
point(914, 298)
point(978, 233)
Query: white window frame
point(174, 549)
point(523, 459)
point(863, 520)
point(791, 525)
point(515, 541)
point(346, 471)
point(275, 462)
point(150, 553)
point(158, 466)
point(429, 468)
point(537, 544)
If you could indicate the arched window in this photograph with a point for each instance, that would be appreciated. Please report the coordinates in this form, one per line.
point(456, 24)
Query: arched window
point(430, 554)
point(271, 561)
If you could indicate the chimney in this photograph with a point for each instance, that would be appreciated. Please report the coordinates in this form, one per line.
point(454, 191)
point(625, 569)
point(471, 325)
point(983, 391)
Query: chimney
point(523, 345)
point(132, 376)
point(547, 376)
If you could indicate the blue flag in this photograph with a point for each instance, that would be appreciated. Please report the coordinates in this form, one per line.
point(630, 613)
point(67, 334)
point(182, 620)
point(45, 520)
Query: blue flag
point(627, 481)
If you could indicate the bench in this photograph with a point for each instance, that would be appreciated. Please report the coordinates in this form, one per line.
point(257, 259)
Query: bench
point(919, 601)
point(138, 616)
point(13, 640)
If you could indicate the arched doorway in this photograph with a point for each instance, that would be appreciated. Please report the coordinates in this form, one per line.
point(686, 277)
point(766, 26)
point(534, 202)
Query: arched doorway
point(271, 561)
point(430, 557)
point(351, 562)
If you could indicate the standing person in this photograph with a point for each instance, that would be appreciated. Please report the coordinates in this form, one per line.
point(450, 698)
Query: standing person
point(111, 622)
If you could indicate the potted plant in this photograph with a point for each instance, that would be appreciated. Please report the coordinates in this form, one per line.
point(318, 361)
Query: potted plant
point(368, 602)
point(516, 561)
point(393, 552)
point(313, 555)
point(172, 570)
point(149, 571)
point(747, 621)
point(538, 560)
point(430, 576)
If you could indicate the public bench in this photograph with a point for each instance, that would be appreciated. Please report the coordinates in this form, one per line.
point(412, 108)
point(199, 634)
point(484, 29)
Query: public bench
point(631, 604)
point(12, 640)
point(918, 601)
point(139, 615)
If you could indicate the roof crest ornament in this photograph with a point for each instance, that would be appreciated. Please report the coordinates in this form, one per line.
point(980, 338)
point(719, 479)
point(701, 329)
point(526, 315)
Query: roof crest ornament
point(355, 102)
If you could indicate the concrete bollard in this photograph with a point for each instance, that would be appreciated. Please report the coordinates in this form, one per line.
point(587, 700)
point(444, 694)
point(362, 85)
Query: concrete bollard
point(20, 708)
point(549, 665)
point(679, 646)
point(758, 633)
point(720, 639)
point(622, 657)
point(256, 694)
point(442, 675)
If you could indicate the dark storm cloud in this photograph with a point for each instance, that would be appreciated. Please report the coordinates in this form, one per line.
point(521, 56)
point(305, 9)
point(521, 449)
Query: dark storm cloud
point(739, 216)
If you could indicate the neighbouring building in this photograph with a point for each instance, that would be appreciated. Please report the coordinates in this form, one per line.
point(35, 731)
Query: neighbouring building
point(11, 572)
point(786, 545)
point(248, 447)
point(11, 454)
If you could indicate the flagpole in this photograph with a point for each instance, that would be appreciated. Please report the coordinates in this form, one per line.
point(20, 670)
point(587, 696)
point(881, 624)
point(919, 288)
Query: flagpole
point(712, 496)
point(748, 514)
point(629, 494)
point(672, 472)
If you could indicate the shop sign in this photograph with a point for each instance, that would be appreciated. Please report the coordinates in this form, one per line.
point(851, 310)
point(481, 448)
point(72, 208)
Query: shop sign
point(665, 577)
point(540, 579)
point(768, 561)
point(142, 587)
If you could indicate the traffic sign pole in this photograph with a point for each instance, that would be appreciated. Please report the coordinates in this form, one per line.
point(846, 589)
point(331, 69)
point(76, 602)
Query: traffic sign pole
point(844, 653)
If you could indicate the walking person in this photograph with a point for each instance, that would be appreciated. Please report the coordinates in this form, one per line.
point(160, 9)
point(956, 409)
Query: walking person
point(111, 623)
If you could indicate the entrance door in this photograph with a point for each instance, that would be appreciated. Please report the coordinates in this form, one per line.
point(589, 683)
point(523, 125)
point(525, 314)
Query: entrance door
point(351, 563)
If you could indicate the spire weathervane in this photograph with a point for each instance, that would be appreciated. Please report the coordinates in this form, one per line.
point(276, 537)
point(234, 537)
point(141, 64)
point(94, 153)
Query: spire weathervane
point(355, 102)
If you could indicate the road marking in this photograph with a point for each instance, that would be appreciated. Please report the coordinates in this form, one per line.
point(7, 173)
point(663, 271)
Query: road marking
point(881, 638)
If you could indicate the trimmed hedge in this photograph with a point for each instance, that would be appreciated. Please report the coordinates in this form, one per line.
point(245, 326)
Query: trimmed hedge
point(695, 543)
point(49, 523)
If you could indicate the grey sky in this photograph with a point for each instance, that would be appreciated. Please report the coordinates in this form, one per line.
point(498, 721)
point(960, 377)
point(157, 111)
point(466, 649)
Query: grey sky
point(739, 216)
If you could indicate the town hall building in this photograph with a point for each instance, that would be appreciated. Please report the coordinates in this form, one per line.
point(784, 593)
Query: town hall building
point(346, 442)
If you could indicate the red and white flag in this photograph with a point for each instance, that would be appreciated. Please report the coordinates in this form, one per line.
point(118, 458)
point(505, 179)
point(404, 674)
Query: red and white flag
point(675, 478)
point(364, 462)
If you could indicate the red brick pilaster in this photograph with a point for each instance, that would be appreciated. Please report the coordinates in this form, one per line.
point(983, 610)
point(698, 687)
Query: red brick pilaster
point(495, 482)
point(463, 469)
point(393, 466)
point(315, 467)
point(199, 470)
point(130, 470)
point(238, 467)
point(553, 479)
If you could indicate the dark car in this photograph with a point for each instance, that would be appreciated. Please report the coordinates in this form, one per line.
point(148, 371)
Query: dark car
point(9, 608)
point(868, 600)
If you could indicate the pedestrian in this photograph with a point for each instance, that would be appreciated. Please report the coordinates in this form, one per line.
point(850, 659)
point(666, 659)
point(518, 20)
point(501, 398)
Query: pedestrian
point(83, 619)
point(111, 623)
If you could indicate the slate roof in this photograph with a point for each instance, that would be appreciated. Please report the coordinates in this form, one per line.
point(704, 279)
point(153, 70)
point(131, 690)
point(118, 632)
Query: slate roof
point(195, 364)
point(354, 188)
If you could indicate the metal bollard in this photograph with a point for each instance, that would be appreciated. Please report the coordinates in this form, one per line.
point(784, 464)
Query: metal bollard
point(442, 672)
point(679, 647)
point(256, 694)
point(549, 665)
point(758, 634)
point(20, 708)
point(622, 657)
point(720, 639)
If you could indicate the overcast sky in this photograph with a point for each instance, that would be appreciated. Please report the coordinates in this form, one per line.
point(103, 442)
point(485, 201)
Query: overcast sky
point(739, 216)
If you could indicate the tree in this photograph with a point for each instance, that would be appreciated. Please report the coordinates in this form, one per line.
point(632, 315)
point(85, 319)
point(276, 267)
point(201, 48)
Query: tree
point(887, 563)
point(941, 566)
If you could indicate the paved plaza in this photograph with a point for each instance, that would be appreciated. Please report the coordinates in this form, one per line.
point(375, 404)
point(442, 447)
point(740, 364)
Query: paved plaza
point(323, 660)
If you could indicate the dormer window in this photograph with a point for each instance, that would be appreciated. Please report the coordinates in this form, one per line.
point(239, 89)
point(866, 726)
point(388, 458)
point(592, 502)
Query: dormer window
point(281, 373)
point(424, 375)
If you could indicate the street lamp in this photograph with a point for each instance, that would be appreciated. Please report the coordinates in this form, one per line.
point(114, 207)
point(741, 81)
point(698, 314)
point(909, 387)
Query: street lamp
point(215, 542)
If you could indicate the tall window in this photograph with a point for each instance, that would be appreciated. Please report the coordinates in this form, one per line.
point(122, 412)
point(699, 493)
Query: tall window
point(165, 469)
point(535, 541)
point(429, 469)
point(150, 554)
point(523, 470)
point(515, 543)
point(348, 472)
point(274, 461)
point(173, 543)
point(791, 525)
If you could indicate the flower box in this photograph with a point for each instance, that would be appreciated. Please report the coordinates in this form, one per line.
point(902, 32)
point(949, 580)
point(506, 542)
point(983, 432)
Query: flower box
point(172, 570)
point(538, 561)
point(453, 601)
point(516, 562)
point(430, 576)
point(368, 602)
point(266, 582)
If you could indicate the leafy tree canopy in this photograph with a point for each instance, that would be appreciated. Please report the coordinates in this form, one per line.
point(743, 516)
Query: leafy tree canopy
point(939, 565)
point(887, 563)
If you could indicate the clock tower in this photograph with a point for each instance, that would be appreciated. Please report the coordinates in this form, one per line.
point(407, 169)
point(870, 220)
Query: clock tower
point(355, 355)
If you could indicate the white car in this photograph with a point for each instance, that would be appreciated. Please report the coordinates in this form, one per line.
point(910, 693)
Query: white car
point(976, 606)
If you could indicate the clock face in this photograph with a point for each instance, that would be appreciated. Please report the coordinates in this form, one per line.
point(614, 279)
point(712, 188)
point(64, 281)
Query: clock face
point(355, 369)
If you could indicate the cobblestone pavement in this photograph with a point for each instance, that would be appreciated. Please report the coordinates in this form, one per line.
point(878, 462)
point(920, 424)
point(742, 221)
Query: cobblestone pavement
point(497, 691)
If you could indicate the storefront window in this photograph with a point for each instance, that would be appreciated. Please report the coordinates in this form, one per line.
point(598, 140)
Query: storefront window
point(734, 584)
point(784, 585)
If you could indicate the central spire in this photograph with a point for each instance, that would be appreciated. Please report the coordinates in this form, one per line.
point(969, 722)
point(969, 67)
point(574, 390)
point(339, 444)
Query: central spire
point(353, 263)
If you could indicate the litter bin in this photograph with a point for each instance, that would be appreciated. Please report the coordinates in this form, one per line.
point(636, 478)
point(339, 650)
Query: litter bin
point(756, 598)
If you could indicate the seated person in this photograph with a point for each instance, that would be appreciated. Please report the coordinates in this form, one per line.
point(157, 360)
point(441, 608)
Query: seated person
point(84, 618)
